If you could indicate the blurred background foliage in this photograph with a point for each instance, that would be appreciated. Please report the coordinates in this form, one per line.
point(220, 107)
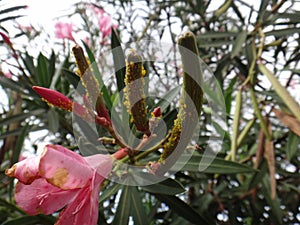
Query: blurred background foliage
point(251, 48)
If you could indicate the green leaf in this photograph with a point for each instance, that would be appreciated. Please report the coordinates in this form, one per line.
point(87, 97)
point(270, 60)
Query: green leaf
point(109, 192)
point(9, 18)
point(9, 206)
point(98, 76)
point(216, 35)
point(283, 32)
point(182, 209)
point(293, 16)
point(169, 118)
point(215, 165)
point(53, 121)
point(167, 187)
point(290, 102)
point(137, 209)
point(30, 220)
point(223, 8)
point(29, 64)
point(221, 70)
point(21, 117)
point(258, 177)
point(20, 142)
point(72, 77)
point(15, 8)
point(215, 95)
point(214, 43)
point(292, 145)
point(276, 212)
point(238, 44)
point(228, 95)
point(14, 132)
point(43, 73)
point(123, 209)
point(119, 60)
point(51, 63)
point(262, 10)
point(237, 12)
point(9, 83)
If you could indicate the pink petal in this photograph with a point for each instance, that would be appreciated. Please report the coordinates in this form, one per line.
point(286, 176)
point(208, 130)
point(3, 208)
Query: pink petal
point(8, 75)
point(63, 168)
point(26, 171)
point(84, 209)
point(64, 30)
point(101, 163)
point(67, 152)
point(42, 197)
point(105, 24)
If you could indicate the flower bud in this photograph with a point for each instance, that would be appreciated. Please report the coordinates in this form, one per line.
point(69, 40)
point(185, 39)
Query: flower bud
point(54, 98)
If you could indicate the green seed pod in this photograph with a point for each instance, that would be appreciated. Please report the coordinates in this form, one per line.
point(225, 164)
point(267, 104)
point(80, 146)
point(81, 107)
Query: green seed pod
point(191, 99)
point(88, 80)
point(134, 92)
point(90, 83)
point(192, 72)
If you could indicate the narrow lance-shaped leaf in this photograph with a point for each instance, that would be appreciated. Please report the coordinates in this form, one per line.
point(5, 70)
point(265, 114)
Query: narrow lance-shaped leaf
point(258, 113)
point(137, 210)
point(15, 8)
point(123, 209)
point(238, 44)
point(216, 165)
point(9, 18)
point(281, 91)
point(20, 116)
point(43, 73)
point(235, 126)
point(245, 132)
point(119, 61)
point(182, 209)
point(168, 187)
point(292, 146)
point(223, 8)
point(270, 158)
point(290, 121)
point(276, 211)
point(19, 144)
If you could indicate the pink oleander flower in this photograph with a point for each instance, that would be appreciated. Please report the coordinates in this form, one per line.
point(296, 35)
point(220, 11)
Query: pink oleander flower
point(104, 21)
point(8, 75)
point(105, 24)
point(62, 179)
point(26, 28)
point(64, 31)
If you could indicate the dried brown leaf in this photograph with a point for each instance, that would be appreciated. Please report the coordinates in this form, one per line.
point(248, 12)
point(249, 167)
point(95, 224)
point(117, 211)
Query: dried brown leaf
point(270, 158)
point(287, 119)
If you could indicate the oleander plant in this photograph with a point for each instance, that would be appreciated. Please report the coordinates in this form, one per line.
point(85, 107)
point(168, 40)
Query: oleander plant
point(151, 112)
